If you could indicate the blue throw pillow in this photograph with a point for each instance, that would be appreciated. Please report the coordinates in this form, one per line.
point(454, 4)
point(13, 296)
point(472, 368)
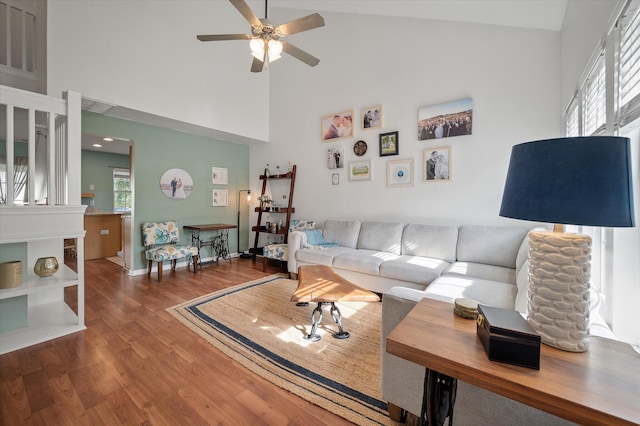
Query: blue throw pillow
point(314, 238)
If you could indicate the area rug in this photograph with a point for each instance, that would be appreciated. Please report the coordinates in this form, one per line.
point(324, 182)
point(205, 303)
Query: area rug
point(257, 325)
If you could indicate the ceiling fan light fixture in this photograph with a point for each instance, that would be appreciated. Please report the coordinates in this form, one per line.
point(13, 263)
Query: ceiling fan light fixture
point(264, 37)
point(275, 48)
point(257, 46)
point(257, 49)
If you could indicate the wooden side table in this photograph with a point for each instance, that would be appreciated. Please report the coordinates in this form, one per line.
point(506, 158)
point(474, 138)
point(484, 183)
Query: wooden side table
point(600, 386)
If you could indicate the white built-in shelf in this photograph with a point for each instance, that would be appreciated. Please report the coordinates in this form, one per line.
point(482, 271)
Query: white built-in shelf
point(44, 229)
point(31, 283)
point(45, 322)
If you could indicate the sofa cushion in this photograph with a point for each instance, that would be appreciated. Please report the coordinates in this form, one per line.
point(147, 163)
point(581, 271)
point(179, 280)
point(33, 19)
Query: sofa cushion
point(320, 256)
point(417, 269)
point(381, 236)
point(491, 245)
point(365, 261)
point(482, 271)
point(492, 293)
point(343, 232)
point(430, 241)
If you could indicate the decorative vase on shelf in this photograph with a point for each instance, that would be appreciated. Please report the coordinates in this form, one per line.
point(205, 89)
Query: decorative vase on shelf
point(10, 274)
point(46, 266)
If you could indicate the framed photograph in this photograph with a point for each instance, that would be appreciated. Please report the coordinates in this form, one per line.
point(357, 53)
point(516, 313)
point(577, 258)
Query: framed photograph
point(335, 158)
point(371, 117)
point(335, 179)
point(445, 120)
point(176, 184)
point(360, 170)
point(400, 173)
point(220, 198)
point(389, 144)
point(437, 164)
point(219, 176)
point(337, 126)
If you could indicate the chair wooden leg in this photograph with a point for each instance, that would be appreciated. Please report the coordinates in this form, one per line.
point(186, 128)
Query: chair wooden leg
point(159, 271)
point(264, 264)
point(174, 263)
point(150, 265)
point(395, 412)
point(195, 263)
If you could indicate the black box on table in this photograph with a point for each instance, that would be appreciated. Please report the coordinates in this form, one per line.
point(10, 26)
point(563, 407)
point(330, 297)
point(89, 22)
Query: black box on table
point(508, 337)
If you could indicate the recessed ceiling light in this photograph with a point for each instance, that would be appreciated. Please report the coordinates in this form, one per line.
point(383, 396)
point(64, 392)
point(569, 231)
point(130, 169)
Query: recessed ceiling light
point(97, 145)
point(107, 139)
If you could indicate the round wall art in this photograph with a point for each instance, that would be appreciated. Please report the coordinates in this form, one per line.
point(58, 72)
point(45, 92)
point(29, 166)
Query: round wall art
point(176, 184)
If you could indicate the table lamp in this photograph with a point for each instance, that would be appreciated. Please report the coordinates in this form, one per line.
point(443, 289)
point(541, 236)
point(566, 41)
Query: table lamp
point(577, 181)
point(242, 254)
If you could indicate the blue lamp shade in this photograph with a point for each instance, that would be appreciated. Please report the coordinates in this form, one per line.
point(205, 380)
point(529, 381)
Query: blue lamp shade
point(577, 181)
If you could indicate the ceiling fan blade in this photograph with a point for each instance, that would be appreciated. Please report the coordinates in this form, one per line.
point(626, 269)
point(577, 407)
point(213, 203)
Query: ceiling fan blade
point(219, 37)
point(246, 11)
point(305, 23)
point(300, 54)
point(257, 65)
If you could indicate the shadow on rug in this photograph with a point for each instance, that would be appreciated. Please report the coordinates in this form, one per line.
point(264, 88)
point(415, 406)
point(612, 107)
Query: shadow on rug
point(257, 325)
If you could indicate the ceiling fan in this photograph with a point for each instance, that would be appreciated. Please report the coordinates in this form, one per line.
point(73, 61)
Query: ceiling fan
point(265, 39)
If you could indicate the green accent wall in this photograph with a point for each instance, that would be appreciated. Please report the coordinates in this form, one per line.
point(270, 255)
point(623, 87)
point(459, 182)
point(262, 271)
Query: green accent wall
point(97, 170)
point(156, 150)
point(13, 313)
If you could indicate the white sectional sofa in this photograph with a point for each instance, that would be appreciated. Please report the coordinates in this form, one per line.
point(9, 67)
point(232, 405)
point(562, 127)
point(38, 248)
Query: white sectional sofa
point(407, 262)
point(382, 255)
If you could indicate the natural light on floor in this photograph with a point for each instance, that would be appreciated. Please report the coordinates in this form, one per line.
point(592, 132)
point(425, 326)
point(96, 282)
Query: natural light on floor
point(294, 333)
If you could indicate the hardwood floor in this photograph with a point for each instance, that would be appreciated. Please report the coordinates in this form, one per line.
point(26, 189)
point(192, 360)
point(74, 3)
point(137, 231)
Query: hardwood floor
point(135, 364)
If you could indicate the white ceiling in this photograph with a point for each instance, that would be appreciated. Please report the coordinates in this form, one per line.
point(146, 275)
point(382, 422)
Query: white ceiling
point(540, 14)
point(536, 14)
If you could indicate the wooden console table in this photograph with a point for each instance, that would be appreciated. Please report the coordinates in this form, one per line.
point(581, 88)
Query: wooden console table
point(219, 244)
point(600, 386)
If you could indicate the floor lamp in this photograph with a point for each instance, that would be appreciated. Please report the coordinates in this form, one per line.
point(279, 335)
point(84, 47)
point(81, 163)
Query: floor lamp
point(243, 255)
point(578, 181)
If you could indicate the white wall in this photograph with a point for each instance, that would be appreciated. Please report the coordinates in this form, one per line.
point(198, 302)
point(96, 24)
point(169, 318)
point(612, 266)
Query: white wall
point(513, 76)
point(585, 24)
point(144, 55)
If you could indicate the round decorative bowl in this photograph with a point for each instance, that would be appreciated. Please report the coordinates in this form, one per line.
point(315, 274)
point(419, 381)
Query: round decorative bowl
point(46, 266)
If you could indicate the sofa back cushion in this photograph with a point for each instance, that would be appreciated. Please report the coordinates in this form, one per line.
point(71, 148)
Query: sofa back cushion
point(343, 232)
point(492, 245)
point(430, 241)
point(381, 236)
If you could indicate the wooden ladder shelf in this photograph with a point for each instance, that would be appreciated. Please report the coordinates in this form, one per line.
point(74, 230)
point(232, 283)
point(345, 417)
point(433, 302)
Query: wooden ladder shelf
point(287, 211)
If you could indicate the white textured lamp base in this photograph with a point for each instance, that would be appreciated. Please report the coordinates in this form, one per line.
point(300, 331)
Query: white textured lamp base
point(558, 297)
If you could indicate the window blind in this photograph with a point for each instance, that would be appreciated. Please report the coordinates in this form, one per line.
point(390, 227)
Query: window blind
point(629, 66)
point(573, 119)
point(595, 102)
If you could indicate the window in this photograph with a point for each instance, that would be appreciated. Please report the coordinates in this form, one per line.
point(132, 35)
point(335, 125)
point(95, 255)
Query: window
point(121, 190)
point(629, 67)
point(595, 101)
point(610, 94)
point(573, 119)
point(20, 175)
